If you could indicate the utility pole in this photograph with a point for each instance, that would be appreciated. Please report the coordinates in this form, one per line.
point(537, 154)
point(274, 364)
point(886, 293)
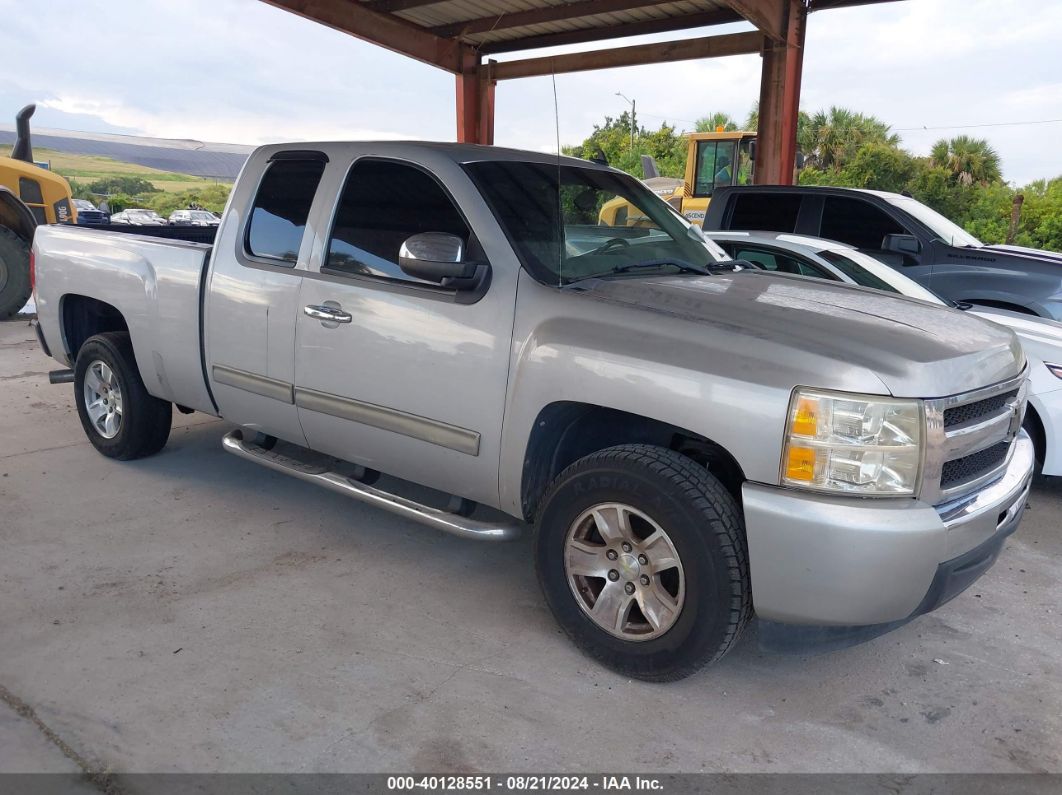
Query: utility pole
point(634, 117)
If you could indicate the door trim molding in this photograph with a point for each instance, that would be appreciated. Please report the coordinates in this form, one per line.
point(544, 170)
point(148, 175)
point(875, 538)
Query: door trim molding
point(427, 430)
point(252, 382)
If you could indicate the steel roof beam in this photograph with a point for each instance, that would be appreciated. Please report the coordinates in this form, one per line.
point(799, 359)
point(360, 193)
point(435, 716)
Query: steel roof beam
point(770, 16)
point(536, 16)
point(665, 25)
point(388, 31)
point(661, 52)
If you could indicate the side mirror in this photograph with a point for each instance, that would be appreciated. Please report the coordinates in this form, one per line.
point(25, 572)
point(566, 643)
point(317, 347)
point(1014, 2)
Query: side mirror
point(906, 245)
point(439, 257)
point(752, 150)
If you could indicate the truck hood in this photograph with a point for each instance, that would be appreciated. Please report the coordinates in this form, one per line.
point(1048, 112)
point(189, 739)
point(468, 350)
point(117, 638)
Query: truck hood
point(1021, 252)
point(916, 349)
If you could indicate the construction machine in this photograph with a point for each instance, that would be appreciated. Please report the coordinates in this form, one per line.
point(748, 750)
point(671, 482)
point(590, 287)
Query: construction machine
point(713, 160)
point(29, 195)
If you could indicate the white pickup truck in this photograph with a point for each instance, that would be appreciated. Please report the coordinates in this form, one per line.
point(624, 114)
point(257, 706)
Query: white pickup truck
point(691, 439)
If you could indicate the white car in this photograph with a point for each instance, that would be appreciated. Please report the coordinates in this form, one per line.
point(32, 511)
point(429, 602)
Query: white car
point(827, 259)
point(136, 216)
point(193, 218)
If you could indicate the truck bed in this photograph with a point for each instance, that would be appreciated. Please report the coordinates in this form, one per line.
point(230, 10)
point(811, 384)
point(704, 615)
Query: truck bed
point(156, 285)
point(190, 234)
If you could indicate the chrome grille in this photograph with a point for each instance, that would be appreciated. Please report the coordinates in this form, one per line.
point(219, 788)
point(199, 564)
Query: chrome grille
point(969, 438)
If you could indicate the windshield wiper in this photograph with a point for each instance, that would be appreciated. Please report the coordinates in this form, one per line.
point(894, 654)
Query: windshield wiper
point(681, 265)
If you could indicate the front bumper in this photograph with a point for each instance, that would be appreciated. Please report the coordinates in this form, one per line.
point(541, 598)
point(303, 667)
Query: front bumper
point(845, 565)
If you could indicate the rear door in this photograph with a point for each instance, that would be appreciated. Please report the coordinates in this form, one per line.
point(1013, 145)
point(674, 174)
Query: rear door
point(252, 298)
point(411, 379)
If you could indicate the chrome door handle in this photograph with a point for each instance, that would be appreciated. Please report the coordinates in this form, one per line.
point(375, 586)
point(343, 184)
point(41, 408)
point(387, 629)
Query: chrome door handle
point(327, 313)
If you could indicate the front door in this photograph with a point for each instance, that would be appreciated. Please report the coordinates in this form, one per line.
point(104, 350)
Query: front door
point(393, 372)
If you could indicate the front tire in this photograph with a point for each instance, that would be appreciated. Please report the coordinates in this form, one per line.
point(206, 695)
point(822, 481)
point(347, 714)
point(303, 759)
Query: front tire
point(642, 558)
point(120, 418)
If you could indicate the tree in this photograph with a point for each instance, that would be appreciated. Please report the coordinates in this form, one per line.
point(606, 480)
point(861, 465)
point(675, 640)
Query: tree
point(713, 121)
point(131, 186)
point(969, 159)
point(831, 138)
point(879, 166)
point(614, 140)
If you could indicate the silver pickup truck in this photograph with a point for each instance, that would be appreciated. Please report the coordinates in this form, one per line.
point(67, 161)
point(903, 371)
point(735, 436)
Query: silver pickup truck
point(692, 440)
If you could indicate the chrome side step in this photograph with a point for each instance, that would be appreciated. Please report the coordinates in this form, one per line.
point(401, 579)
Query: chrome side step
point(233, 442)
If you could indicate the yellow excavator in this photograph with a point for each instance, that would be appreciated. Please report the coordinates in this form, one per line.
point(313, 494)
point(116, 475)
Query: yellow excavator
point(29, 195)
point(713, 160)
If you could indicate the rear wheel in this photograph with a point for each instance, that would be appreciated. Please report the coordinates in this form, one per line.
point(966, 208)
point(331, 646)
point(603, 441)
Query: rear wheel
point(641, 555)
point(14, 273)
point(120, 418)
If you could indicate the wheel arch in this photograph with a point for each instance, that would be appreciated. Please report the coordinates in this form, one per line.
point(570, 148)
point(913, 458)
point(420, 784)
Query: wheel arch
point(81, 317)
point(565, 431)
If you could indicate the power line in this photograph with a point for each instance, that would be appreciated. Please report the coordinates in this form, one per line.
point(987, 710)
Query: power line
point(974, 126)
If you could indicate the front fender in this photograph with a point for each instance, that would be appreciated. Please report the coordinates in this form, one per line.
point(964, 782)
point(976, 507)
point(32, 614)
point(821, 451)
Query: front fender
point(15, 215)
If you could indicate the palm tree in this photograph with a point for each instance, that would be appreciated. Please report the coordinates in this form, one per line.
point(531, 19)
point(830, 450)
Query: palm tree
point(713, 121)
point(832, 137)
point(969, 159)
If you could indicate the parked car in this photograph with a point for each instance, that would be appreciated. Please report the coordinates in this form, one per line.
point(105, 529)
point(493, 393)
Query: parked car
point(137, 216)
point(193, 218)
point(905, 234)
point(89, 214)
point(687, 435)
point(826, 259)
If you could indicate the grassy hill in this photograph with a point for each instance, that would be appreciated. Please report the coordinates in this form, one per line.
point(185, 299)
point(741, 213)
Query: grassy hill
point(89, 168)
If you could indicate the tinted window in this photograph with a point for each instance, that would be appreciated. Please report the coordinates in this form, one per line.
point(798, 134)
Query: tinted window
point(278, 217)
point(383, 204)
point(770, 213)
point(856, 222)
point(780, 263)
point(715, 166)
point(856, 273)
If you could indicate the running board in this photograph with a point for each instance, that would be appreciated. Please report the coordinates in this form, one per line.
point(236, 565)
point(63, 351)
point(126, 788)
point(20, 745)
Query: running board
point(234, 443)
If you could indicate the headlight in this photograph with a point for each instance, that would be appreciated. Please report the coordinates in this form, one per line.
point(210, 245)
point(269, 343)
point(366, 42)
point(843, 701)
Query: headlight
point(1054, 369)
point(855, 444)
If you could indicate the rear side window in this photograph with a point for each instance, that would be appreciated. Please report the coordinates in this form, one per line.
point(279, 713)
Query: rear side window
point(857, 223)
point(781, 263)
point(766, 212)
point(383, 204)
point(280, 210)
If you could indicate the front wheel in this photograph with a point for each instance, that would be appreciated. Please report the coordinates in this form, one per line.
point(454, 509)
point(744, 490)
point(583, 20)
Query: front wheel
point(642, 558)
point(120, 417)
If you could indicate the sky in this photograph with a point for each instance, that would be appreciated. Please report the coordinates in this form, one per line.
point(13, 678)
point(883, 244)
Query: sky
point(241, 71)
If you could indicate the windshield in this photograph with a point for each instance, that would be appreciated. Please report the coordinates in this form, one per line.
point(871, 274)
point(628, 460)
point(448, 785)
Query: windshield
point(569, 223)
point(203, 215)
point(84, 204)
point(866, 271)
point(949, 232)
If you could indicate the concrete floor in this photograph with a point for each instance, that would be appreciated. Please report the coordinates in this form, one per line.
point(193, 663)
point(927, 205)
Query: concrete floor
point(194, 612)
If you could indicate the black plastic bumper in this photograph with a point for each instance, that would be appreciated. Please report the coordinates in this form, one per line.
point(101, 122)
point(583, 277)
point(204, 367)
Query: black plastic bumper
point(40, 339)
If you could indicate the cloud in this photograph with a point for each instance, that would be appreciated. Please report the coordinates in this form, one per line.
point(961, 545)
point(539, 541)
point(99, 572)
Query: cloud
point(246, 72)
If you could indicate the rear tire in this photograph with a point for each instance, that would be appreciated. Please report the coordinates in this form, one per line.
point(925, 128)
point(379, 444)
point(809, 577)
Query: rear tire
point(120, 418)
point(14, 273)
point(669, 591)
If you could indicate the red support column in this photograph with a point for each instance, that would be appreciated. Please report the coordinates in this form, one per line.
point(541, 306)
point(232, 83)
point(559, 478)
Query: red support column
point(780, 101)
point(475, 104)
